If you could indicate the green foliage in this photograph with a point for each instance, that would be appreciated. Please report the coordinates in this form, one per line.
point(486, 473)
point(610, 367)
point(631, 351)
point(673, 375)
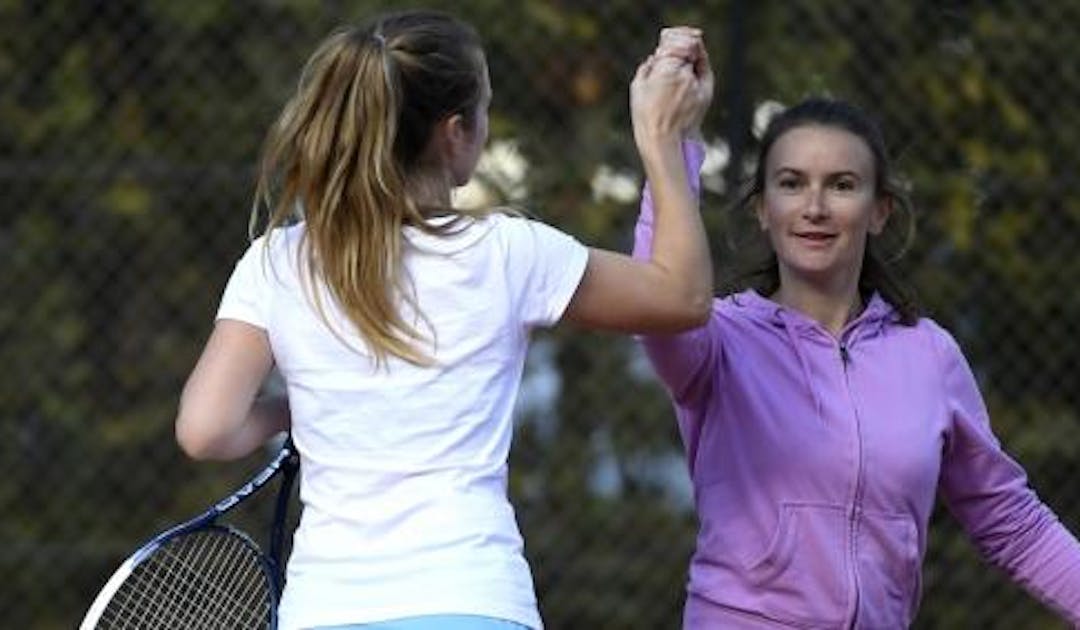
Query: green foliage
point(130, 134)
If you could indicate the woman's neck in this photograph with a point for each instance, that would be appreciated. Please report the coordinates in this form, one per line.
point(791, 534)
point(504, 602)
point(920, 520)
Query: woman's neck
point(833, 308)
point(431, 192)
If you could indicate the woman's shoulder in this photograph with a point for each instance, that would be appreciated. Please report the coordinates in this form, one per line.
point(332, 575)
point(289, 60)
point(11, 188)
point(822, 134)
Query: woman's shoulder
point(746, 305)
point(274, 249)
point(504, 222)
point(280, 238)
point(930, 328)
point(933, 337)
point(450, 233)
point(518, 231)
point(510, 219)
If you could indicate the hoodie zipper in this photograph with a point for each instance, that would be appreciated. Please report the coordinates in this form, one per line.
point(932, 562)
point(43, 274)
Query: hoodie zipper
point(844, 341)
point(853, 516)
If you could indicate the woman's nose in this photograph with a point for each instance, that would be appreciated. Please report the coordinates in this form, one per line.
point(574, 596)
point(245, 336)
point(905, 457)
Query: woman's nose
point(816, 207)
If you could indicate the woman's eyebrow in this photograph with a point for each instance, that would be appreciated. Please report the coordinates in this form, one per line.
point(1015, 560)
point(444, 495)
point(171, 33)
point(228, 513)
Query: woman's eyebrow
point(785, 170)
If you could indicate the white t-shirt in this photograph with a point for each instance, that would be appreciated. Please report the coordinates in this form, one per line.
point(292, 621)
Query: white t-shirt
point(404, 470)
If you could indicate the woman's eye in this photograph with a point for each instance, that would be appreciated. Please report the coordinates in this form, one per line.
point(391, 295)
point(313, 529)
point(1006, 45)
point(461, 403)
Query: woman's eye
point(788, 183)
point(845, 185)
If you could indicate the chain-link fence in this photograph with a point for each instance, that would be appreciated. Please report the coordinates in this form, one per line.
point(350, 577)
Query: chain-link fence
point(128, 134)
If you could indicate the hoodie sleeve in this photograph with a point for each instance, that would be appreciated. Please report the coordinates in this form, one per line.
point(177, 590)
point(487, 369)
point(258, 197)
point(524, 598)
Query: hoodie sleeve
point(988, 492)
point(678, 359)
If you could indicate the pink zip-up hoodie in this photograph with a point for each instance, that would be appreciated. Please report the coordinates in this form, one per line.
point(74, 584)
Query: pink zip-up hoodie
point(815, 462)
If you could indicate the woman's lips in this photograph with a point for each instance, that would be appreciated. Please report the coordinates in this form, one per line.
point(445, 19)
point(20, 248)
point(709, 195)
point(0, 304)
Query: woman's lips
point(815, 237)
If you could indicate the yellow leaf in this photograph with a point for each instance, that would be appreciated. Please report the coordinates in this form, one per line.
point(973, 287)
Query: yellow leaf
point(127, 197)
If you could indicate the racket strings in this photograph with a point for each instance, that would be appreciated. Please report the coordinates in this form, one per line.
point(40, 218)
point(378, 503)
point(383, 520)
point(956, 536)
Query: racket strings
point(210, 573)
point(213, 580)
point(216, 604)
point(210, 579)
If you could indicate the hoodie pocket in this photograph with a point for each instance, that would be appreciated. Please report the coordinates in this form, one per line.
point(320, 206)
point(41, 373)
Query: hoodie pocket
point(800, 575)
point(889, 575)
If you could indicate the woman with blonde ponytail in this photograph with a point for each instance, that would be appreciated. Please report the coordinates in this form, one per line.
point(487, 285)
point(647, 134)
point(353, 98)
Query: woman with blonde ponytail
point(400, 324)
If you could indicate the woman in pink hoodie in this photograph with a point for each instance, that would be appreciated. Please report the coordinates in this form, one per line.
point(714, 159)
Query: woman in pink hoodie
point(821, 415)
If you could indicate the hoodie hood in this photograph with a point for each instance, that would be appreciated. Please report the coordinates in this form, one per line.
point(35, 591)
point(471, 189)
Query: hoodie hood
point(875, 317)
point(801, 329)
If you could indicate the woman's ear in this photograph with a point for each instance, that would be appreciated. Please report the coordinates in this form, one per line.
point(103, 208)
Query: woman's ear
point(452, 144)
point(759, 211)
point(452, 137)
point(882, 210)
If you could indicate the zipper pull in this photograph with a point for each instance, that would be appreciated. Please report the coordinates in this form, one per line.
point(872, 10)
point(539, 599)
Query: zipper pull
point(845, 356)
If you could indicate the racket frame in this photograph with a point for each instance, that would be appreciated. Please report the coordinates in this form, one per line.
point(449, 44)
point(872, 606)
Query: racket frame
point(287, 462)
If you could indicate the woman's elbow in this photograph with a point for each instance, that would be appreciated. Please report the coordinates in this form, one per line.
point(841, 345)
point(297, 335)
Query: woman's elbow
point(695, 314)
point(194, 440)
point(191, 443)
point(692, 297)
point(683, 316)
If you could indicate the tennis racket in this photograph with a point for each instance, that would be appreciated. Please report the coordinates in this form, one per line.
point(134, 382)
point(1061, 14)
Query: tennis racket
point(200, 573)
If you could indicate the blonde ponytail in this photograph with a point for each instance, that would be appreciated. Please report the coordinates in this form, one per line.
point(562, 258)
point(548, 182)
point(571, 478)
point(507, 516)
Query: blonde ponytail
point(343, 151)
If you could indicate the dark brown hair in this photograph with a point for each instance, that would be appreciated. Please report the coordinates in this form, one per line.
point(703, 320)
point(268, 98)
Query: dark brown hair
point(761, 270)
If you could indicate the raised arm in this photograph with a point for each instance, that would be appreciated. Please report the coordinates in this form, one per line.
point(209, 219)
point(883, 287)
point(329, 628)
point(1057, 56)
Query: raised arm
point(678, 358)
point(672, 290)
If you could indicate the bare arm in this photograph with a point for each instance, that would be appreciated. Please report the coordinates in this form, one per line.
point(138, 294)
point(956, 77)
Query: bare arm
point(673, 289)
point(219, 416)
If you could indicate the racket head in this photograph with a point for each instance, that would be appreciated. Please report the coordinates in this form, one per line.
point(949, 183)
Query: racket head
point(212, 577)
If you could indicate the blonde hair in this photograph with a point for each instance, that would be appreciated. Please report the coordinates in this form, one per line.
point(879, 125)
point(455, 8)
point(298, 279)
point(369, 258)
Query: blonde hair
point(342, 152)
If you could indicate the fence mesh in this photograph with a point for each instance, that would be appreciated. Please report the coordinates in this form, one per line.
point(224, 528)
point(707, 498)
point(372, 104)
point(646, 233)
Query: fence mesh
point(128, 134)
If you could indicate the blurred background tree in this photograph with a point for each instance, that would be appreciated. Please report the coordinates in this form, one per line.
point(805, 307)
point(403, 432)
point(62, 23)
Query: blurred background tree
point(128, 134)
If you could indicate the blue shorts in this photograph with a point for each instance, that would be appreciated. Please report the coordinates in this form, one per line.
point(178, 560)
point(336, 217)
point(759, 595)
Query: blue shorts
point(435, 622)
